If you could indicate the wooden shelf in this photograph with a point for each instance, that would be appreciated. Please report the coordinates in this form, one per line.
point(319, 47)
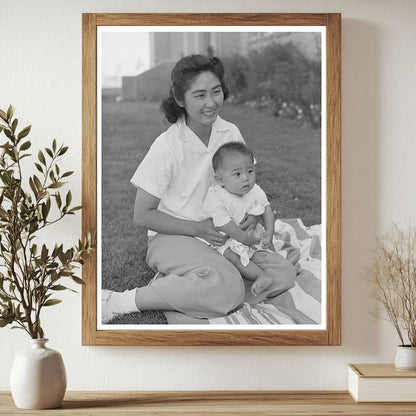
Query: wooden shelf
point(221, 403)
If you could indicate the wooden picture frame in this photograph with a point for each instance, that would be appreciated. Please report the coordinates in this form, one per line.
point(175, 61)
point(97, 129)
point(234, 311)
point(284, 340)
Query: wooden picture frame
point(331, 332)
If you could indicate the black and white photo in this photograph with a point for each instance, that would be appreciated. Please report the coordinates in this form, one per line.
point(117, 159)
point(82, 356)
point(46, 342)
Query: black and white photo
point(211, 179)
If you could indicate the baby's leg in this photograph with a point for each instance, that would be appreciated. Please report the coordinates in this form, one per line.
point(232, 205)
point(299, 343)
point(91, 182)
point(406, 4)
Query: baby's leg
point(282, 272)
point(261, 283)
point(250, 272)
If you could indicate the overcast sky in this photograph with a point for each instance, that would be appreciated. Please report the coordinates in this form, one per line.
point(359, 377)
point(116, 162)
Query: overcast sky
point(123, 54)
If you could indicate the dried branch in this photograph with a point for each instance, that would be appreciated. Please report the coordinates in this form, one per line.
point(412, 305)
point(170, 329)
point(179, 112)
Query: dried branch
point(393, 277)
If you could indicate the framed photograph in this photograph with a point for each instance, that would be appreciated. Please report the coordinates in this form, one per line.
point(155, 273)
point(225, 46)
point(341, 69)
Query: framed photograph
point(162, 93)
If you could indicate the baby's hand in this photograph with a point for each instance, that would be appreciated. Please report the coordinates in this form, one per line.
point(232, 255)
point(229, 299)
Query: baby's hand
point(251, 238)
point(267, 240)
point(249, 222)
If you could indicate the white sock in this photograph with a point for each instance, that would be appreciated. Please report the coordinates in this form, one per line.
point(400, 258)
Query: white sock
point(123, 302)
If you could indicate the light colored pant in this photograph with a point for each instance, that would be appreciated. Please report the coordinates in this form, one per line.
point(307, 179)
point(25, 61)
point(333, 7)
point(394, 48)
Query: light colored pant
point(200, 282)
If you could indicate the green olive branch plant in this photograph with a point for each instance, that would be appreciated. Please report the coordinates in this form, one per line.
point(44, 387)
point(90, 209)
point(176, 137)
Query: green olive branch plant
point(30, 274)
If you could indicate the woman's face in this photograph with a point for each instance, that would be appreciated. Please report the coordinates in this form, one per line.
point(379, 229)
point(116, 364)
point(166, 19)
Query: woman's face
point(203, 101)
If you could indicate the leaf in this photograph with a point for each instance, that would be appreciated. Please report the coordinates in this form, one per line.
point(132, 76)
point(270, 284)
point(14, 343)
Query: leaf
point(42, 194)
point(63, 150)
point(55, 251)
point(51, 302)
point(37, 183)
point(76, 279)
point(56, 185)
point(72, 211)
point(41, 157)
point(48, 202)
point(34, 226)
point(8, 133)
point(58, 199)
point(14, 125)
point(45, 211)
point(3, 115)
point(40, 331)
point(25, 155)
point(25, 145)
point(44, 253)
point(68, 199)
point(49, 152)
point(33, 187)
point(5, 321)
point(24, 132)
point(10, 112)
point(67, 174)
point(62, 257)
point(59, 287)
point(54, 145)
point(39, 167)
point(66, 273)
point(5, 298)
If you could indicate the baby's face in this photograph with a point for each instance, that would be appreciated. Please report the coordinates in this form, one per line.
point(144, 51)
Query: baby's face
point(237, 175)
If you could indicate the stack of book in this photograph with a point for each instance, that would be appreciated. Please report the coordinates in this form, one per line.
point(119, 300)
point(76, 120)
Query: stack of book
point(381, 383)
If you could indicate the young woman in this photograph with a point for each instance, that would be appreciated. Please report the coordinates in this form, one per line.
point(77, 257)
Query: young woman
point(172, 182)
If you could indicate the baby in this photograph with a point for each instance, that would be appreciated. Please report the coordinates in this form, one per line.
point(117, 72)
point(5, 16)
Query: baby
point(234, 196)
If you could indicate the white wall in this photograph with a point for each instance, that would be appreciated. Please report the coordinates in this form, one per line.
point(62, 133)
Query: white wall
point(40, 68)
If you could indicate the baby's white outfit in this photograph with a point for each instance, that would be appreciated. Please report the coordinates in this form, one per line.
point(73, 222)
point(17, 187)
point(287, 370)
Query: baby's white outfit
point(223, 207)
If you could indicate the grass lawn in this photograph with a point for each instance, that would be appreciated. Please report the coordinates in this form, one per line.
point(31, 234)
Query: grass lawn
point(288, 169)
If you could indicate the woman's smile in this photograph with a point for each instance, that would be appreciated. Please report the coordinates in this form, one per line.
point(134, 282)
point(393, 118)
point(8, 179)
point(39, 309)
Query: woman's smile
point(211, 113)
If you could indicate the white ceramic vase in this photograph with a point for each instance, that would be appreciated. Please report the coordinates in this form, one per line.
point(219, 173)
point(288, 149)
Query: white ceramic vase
point(405, 358)
point(38, 377)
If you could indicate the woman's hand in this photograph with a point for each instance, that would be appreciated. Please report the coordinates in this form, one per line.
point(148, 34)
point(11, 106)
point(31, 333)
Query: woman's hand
point(249, 222)
point(207, 231)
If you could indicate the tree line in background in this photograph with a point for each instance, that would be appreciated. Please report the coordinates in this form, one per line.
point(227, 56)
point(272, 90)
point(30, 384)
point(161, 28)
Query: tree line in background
point(277, 78)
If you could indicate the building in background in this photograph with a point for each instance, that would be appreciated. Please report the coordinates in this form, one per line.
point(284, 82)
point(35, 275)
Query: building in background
point(171, 46)
point(166, 48)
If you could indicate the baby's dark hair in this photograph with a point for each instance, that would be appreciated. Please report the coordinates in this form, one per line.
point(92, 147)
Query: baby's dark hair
point(229, 149)
point(184, 72)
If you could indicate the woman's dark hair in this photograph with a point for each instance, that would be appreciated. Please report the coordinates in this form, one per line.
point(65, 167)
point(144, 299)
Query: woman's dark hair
point(184, 72)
